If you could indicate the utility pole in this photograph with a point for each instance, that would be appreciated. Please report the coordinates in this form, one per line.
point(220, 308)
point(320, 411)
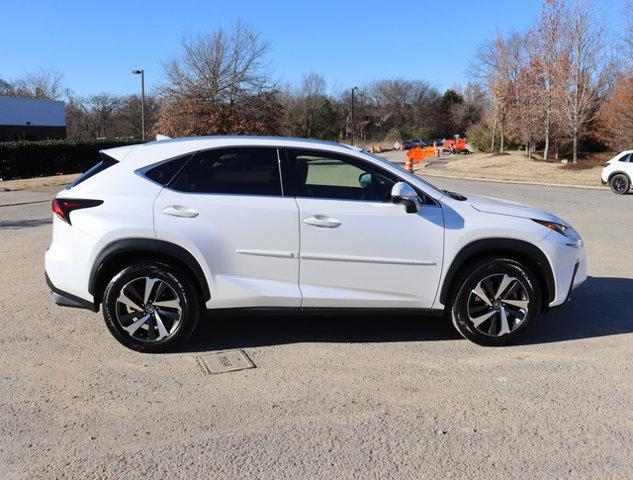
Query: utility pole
point(142, 74)
point(353, 119)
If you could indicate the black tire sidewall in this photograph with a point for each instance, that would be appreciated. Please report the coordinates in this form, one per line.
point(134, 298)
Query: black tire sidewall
point(182, 285)
point(469, 280)
point(625, 178)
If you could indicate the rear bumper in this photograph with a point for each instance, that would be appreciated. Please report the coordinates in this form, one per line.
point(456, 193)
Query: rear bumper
point(66, 299)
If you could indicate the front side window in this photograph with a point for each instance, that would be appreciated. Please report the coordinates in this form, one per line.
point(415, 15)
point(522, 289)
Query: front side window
point(330, 175)
point(241, 171)
point(626, 158)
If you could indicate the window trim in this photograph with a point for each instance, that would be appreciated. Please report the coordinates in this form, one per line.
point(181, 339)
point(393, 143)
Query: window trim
point(195, 153)
point(427, 200)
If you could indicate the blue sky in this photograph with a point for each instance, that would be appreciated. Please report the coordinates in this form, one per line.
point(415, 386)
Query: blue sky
point(95, 44)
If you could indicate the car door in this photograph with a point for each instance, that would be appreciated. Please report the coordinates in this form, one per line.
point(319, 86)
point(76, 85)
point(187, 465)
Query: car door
point(358, 249)
point(227, 208)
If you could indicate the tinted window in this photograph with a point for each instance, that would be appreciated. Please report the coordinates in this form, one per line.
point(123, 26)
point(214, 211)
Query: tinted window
point(106, 162)
point(626, 158)
point(327, 175)
point(164, 172)
point(246, 171)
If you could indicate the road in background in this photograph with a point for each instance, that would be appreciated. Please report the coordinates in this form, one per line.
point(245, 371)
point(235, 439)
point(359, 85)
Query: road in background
point(332, 397)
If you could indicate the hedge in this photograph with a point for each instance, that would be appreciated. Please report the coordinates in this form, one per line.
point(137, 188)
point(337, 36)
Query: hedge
point(27, 159)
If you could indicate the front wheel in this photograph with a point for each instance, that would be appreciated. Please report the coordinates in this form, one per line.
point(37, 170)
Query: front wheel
point(494, 301)
point(620, 184)
point(151, 307)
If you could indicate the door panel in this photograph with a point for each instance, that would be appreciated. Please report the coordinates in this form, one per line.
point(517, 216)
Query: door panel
point(250, 244)
point(378, 255)
point(358, 249)
point(226, 207)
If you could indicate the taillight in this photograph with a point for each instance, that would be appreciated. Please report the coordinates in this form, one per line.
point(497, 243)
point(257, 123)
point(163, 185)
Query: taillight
point(63, 206)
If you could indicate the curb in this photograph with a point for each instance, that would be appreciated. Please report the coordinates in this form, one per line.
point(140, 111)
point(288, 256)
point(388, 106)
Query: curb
point(514, 182)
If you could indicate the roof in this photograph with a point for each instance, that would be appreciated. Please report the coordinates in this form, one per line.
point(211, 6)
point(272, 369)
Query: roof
point(177, 146)
point(32, 111)
point(251, 138)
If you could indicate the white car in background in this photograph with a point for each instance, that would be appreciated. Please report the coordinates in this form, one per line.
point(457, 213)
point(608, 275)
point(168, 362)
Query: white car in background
point(160, 232)
point(618, 172)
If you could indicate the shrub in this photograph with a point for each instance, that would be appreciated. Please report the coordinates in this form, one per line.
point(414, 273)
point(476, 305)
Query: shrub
point(27, 159)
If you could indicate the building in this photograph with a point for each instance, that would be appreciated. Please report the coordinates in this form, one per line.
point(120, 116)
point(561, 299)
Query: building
point(31, 119)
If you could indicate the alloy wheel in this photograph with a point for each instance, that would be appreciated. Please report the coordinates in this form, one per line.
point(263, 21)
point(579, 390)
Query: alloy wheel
point(498, 305)
point(148, 309)
point(618, 184)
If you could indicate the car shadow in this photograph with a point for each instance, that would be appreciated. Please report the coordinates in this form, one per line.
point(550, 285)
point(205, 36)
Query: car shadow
point(598, 308)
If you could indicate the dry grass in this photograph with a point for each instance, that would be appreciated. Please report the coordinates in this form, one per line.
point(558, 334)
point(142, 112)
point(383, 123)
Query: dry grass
point(27, 183)
point(515, 166)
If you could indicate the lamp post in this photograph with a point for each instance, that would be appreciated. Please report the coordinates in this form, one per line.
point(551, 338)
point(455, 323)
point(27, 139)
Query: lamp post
point(353, 119)
point(142, 74)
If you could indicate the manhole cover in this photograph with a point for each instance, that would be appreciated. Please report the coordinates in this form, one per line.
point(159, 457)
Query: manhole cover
point(221, 362)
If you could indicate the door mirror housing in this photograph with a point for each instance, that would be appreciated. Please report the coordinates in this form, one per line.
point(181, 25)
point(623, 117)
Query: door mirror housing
point(404, 194)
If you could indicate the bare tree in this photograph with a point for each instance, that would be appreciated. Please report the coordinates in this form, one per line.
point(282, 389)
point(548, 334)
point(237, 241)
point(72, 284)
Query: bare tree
point(44, 84)
point(498, 64)
point(582, 78)
point(628, 36)
point(546, 53)
point(218, 67)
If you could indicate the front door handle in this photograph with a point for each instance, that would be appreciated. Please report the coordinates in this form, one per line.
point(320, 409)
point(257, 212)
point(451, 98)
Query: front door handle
point(322, 221)
point(180, 211)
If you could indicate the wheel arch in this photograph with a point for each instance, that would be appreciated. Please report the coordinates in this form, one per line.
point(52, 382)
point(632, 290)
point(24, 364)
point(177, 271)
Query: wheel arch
point(122, 252)
point(618, 172)
point(528, 254)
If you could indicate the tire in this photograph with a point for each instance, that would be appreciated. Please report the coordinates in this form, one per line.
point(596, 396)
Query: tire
point(489, 313)
point(156, 321)
point(620, 184)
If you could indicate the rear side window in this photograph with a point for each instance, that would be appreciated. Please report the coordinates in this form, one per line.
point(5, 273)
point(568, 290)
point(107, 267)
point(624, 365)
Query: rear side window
point(165, 171)
point(106, 162)
point(241, 171)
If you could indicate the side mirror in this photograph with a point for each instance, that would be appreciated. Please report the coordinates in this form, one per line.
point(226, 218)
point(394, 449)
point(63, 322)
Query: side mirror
point(404, 194)
point(365, 179)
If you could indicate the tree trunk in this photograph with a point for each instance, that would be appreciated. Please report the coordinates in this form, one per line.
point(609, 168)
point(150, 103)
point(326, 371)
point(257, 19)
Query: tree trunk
point(494, 134)
point(503, 133)
point(547, 130)
point(575, 147)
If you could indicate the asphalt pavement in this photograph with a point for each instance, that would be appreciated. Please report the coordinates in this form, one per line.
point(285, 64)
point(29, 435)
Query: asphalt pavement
point(372, 397)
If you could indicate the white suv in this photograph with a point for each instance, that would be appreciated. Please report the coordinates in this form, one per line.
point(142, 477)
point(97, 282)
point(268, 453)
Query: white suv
point(155, 233)
point(618, 171)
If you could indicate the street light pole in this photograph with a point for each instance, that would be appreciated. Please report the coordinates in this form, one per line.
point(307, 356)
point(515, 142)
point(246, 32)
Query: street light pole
point(142, 74)
point(353, 119)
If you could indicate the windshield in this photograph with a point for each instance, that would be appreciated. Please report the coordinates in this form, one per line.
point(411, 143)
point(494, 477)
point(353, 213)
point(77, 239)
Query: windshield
point(384, 160)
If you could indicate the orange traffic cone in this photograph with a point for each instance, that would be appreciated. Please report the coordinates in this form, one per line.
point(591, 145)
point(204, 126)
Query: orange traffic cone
point(408, 165)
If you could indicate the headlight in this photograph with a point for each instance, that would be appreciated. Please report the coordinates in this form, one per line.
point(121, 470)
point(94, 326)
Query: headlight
point(557, 227)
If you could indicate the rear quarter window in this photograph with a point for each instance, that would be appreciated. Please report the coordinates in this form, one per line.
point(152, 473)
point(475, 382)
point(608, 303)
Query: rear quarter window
point(164, 172)
point(105, 163)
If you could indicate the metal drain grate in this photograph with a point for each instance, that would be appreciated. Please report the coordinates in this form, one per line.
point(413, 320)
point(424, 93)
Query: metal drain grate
point(221, 362)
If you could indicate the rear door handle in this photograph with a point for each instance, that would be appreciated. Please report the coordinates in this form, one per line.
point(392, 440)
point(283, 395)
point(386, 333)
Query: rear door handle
point(322, 221)
point(180, 211)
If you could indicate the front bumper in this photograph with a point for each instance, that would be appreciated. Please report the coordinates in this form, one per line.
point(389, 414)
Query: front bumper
point(569, 265)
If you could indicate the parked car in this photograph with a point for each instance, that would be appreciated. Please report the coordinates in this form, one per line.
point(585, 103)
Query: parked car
point(409, 144)
point(618, 171)
point(157, 233)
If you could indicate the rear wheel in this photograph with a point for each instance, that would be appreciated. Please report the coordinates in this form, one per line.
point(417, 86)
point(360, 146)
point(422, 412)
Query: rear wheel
point(620, 184)
point(494, 301)
point(151, 307)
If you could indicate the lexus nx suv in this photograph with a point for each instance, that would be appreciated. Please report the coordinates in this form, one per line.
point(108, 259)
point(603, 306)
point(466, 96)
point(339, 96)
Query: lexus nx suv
point(618, 171)
point(157, 233)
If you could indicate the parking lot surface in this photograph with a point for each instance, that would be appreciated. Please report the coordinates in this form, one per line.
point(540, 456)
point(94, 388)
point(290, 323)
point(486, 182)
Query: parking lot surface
point(390, 396)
